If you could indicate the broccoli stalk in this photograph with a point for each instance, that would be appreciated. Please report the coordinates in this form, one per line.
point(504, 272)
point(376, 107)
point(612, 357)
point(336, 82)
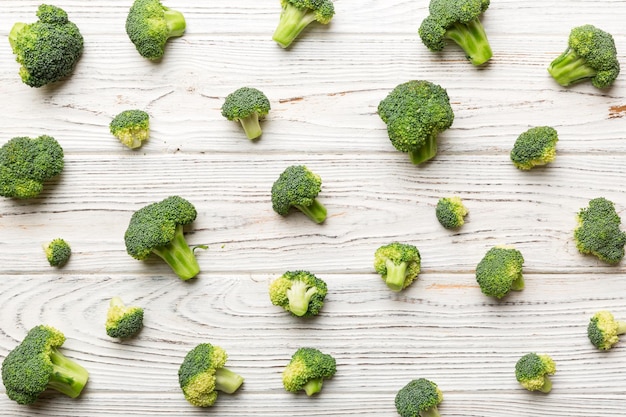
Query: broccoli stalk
point(398, 264)
point(396, 274)
point(292, 21)
point(425, 152)
point(179, 256)
point(175, 22)
point(227, 381)
point(472, 38)
point(570, 68)
point(300, 295)
point(67, 376)
point(315, 211)
point(299, 292)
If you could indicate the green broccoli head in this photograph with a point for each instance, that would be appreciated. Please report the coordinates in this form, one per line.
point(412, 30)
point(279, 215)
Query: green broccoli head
point(131, 127)
point(36, 364)
point(398, 264)
point(500, 271)
point(25, 164)
point(202, 374)
point(149, 25)
point(307, 370)
point(451, 212)
point(247, 105)
point(415, 113)
point(297, 15)
point(123, 321)
point(603, 330)
point(158, 228)
point(57, 252)
point(419, 397)
point(532, 372)
point(536, 146)
point(298, 187)
point(590, 55)
point(47, 50)
point(598, 232)
point(459, 21)
point(299, 292)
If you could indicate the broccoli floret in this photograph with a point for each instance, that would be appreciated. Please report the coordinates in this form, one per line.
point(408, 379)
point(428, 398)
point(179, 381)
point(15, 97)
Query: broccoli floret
point(590, 55)
point(532, 372)
point(398, 264)
point(57, 252)
point(26, 163)
point(298, 187)
point(123, 321)
point(36, 364)
point(307, 370)
point(536, 146)
point(246, 106)
point(459, 21)
point(603, 330)
point(451, 212)
point(415, 113)
point(202, 374)
point(419, 397)
point(158, 228)
point(500, 271)
point(150, 24)
point(298, 14)
point(598, 232)
point(47, 50)
point(131, 127)
point(299, 292)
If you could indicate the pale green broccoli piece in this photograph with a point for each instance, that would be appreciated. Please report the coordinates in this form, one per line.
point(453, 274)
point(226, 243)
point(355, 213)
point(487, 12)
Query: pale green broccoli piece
point(603, 330)
point(532, 372)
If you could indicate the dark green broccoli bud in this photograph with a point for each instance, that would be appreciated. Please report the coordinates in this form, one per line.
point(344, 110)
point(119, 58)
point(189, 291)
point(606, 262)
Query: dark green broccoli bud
point(131, 127)
point(202, 374)
point(47, 50)
point(500, 271)
point(536, 146)
point(419, 397)
point(26, 163)
point(451, 212)
point(459, 21)
point(57, 252)
point(398, 264)
point(415, 113)
point(297, 15)
point(123, 321)
point(299, 292)
point(590, 55)
point(307, 371)
point(603, 330)
point(36, 364)
point(158, 228)
point(246, 106)
point(150, 24)
point(598, 232)
point(298, 187)
point(532, 372)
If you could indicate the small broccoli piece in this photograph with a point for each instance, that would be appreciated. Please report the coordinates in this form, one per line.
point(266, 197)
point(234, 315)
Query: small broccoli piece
point(500, 271)
point(299, 292)
point(419, 397)
point(307, 370)
point(57, 252)
point(202, 374)
point(149, 25)
point(532, 371)
point(590, 55)
point(536, 146)
point(415, 113)
point(451, 212)
point(26, 163)
point(131, 127)
point(459, 21)
point(36, 364)
point(47, 50)
point(246, 105)
point(603, 330)
point(158, 228)
point(298, 187)
point(123, 321)
point(598, 232)
point(297, 15)
point(398, 264)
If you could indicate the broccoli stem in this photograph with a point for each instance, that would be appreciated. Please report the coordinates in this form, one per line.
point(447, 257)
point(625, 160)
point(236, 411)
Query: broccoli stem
point(175, 22)
point(621, 327)
point(313, 386)
point(179, 256)
point(13, 34)
point(292, 21)
point(518, 283)
point(227, 381)
point(472, 38)
point(299, 295)
point(315, 211)
point(396, 274)
point(251, 125)
point(570, 68)
point(67, 376)
point(431, 412)
point(547, 385)
point(426, 152)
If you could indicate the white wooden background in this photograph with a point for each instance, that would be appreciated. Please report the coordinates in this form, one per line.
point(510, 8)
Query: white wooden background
point(324, 93)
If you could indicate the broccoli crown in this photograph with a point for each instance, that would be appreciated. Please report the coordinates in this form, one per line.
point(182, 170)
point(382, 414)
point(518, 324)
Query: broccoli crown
point(298, 187)
point(123, 321)
point(603, 330)
point(420, 397)
point(307, 370)
point(299, 292)
point(131, 127)
point(398, 264)
point(26, 163)
point(415, 113)
point(500, 271)
point(57, 252)
point(536, 146)
point(451, 212)
point(532, 371)
point(149, 25)
point(244, 102)
point(47, 50)
point(598, 232)
point(297, 15)
point(322, 10)
point(36, 364)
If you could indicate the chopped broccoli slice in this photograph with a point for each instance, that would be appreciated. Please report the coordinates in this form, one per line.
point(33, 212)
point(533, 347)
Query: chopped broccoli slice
point(57, 252)
point(298, 187)
point(603, 330)
point(598, 232)
point(131, 127)
point(532, 372)
point(536, 146)
point(123, 321)
point(297, 15)
point(398, 264)
point(451, 212)
point(419, 398)
point(500, 271)
point(247, 105)
point(307, 370)
point(299, 292)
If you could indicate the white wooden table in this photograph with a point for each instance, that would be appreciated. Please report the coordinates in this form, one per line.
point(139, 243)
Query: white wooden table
point(324, 93)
